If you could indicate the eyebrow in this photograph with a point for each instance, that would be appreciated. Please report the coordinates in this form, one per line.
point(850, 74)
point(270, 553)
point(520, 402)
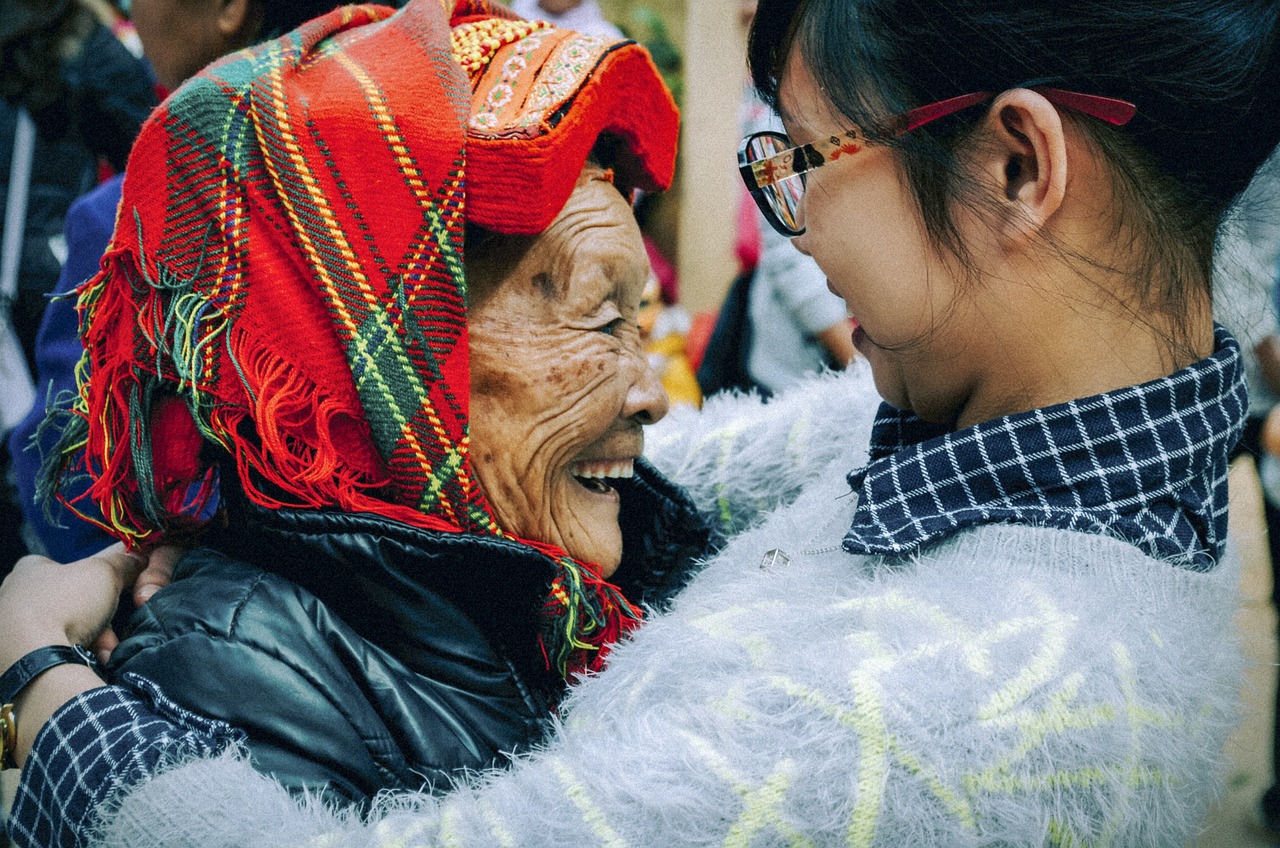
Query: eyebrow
point(613, 295)
point(612, 267)
point(546, 285)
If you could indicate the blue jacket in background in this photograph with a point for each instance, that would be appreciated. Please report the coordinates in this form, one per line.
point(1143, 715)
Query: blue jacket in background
point(89, 224)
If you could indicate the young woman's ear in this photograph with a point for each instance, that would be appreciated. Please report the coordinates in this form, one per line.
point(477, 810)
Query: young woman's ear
point(1025, 160)
point(239, 21)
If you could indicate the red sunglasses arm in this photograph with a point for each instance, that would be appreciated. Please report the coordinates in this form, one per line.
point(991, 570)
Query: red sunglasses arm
point(1109, 109)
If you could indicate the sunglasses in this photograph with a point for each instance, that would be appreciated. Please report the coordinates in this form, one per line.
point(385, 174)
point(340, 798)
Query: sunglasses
point(775, 172)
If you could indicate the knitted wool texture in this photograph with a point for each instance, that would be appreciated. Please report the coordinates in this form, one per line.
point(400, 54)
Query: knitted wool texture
point(1013, 686)
point(286, 283)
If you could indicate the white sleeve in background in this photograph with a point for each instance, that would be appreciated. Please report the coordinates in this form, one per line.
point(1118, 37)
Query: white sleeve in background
point(799, 284)
point(1244, 274)
point(789, 305)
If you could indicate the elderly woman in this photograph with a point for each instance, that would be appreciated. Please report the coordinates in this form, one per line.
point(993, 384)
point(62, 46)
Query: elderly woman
point(1012, 624)
point(410, 493)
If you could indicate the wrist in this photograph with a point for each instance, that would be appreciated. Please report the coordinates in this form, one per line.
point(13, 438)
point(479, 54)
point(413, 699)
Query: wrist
point(47, 694)
point(20, 679)
point(13, 647)
point(21, 674)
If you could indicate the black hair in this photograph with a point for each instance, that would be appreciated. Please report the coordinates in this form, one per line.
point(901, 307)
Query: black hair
point(1204, 75)
point(35, 36)
point(280, 16)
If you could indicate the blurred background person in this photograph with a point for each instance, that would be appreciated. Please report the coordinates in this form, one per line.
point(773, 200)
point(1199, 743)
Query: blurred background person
point(779, 322)
point(87, 96)
point(581, 15)
point(110, 14)
point(179, 37)
point(77, 97)
point(1244, 284)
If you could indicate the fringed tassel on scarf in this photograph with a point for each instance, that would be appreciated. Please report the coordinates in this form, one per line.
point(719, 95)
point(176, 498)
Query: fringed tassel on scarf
point(255, 243)
point(110, 430)
point(63, 465)
point(309, 451)
point(582, 617)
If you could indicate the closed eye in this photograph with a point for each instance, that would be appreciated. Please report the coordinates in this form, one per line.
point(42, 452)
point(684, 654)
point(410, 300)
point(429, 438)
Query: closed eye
point(612, 327)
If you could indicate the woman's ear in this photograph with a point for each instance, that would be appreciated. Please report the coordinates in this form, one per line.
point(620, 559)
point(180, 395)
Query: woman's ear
point(1025, 159)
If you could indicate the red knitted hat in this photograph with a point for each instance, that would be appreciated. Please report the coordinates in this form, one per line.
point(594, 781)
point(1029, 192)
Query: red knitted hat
point(286, 282)
point(544, 99)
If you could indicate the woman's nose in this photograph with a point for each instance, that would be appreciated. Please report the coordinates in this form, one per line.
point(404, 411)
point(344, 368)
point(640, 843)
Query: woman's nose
point(647, 400)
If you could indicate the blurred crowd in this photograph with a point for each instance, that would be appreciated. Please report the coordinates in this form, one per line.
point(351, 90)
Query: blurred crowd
point(84, 74)
point(79, 78)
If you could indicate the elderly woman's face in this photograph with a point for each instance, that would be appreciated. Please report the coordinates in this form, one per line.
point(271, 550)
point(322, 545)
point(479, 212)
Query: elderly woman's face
point(560, 384)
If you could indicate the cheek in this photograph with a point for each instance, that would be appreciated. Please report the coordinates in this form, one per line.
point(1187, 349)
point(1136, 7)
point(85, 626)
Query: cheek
point(543, 399)
point(573, 376)
point(870, 242)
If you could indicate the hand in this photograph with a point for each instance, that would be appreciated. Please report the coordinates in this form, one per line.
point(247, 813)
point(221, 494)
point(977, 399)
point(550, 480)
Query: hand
point(158, 573)
point(45, 603)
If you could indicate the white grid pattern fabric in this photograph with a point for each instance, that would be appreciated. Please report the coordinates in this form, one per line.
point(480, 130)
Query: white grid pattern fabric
point(98, 744)
point(1146, 464)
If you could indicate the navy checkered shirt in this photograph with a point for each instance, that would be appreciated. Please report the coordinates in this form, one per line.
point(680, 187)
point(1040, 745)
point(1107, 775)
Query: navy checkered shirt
point(97, 745)
point(1146, 464)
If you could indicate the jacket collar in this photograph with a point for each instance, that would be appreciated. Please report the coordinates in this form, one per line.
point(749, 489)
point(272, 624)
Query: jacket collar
point(378, 574)
point(1146, 463)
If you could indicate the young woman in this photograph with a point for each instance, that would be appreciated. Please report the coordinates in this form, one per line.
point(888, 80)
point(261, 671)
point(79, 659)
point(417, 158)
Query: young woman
point(1017, 628)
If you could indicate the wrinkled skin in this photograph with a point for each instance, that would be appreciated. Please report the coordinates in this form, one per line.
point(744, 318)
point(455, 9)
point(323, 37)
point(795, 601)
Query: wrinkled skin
point(560, 384)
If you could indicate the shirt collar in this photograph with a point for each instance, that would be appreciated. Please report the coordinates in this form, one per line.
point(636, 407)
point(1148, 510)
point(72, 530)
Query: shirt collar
point(1146, 463)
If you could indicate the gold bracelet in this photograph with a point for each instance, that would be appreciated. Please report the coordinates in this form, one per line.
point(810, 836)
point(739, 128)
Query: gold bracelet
point(8, 738)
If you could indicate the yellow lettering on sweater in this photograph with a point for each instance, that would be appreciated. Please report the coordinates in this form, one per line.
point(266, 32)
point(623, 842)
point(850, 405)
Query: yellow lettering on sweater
point(581, 798)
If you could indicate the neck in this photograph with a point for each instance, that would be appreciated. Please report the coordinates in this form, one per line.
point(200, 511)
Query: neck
point(1056, 336)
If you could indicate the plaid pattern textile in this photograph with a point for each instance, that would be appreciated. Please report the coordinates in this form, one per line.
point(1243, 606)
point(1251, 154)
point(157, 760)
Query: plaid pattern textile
point(98, 744)
point(322, 347)
point(1146, 464)
point(289, 256)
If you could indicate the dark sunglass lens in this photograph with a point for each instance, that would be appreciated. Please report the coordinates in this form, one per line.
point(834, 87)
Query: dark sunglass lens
point(785, 197)
point(782, 196)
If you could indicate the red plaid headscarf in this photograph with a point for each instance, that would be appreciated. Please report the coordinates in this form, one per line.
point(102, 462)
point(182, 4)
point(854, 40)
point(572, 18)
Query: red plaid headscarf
point(285, 281)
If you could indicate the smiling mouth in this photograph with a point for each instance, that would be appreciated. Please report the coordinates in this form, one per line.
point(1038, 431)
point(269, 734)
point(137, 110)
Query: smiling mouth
point(595, 475)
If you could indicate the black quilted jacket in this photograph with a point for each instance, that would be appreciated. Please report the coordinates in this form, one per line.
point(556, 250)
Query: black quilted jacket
point(360, 654)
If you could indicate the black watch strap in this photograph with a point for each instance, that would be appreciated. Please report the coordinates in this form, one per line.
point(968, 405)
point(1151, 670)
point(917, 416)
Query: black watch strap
point(38, 662)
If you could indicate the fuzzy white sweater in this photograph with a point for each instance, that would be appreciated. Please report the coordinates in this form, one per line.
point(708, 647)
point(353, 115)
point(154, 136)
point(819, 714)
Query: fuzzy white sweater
point(1012, 686)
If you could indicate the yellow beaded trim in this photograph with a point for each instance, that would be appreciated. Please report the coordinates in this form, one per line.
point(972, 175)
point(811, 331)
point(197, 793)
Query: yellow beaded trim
point(475, 44)
point(8, 738)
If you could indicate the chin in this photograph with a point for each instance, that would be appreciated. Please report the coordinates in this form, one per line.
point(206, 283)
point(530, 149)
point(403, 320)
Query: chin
point(585, 523)
point(606, 554)
point(891, 393)
point(609, 565)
